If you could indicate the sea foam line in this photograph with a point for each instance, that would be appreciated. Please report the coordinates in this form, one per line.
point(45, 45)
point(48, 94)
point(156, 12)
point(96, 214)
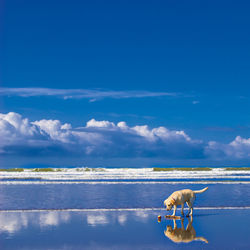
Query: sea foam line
point(114, 209)
point(16, 182)
point(127, 177)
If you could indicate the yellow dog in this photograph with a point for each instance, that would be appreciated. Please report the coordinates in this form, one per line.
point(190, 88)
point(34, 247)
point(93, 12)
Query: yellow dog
point(180, 197)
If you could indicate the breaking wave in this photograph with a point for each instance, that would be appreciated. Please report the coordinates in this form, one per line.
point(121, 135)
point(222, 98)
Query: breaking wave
point(110, 175)
point(21, 182)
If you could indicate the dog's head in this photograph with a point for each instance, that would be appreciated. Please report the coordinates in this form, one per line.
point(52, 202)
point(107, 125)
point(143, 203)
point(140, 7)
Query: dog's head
point(169, 202)
point(169, 232)
point(169, 229)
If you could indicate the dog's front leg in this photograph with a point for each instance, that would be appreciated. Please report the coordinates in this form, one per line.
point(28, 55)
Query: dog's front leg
point(182, 207)
point(175, 225)
point(182, 224)
point(175, 207)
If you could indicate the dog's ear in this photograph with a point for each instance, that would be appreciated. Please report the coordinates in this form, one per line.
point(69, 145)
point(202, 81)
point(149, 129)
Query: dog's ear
point(172, 201)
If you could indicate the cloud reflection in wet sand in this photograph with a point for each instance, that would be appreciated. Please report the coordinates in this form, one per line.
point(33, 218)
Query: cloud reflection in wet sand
point(94, 220)
point(12, 222)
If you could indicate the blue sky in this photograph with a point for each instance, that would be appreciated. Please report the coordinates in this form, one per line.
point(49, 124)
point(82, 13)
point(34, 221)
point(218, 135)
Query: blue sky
point(181, 65)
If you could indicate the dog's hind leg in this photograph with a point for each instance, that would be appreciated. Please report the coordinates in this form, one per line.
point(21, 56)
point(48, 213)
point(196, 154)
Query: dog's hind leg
point(190, 206)
point(190, 210)
point(190, 226)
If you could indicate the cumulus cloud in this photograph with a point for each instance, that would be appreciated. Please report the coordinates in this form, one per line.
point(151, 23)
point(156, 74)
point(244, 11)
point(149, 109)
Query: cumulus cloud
point(107, 139)
point(97, 138)
point(239, 149)
point(100, 124)
point(14, 130)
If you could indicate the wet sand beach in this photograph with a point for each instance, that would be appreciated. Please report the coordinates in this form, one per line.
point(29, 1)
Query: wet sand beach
point(124, 229)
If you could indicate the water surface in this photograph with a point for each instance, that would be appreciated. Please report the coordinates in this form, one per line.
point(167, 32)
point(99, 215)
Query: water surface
point(221, 229)
point(144, 195)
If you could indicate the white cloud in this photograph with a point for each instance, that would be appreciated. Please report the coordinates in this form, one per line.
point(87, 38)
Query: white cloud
point(56, 130)
point(122, 125)
point(14, 129)
point(239, 148)
point(99, 138)
point(100, 124)
point(91, 94)
point(107, 139)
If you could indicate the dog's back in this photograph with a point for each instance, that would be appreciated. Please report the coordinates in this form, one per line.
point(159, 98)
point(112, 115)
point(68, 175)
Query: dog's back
point(185, 194)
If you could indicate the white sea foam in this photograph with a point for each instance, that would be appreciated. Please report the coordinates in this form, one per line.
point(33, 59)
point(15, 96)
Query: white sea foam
point(65, 174)
point(119, 182)
point(117, 209)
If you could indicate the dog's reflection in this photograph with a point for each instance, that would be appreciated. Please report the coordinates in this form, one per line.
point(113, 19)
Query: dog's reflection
point(181, 234)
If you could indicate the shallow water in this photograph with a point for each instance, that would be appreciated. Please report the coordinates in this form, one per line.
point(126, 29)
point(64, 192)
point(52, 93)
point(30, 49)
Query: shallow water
point(143, 195)
point(222, 229)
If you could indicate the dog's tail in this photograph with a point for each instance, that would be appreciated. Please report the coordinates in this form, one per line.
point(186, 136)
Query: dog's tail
point(201, 239)
point(201, 191)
